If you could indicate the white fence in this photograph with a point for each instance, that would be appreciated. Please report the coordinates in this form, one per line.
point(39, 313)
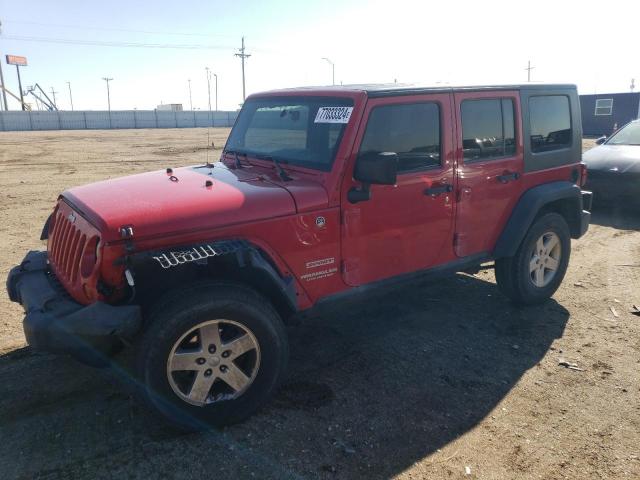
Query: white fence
point(90, 119)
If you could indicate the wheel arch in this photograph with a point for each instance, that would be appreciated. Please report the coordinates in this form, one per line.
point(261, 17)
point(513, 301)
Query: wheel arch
point(160, 271)
point(564, 198)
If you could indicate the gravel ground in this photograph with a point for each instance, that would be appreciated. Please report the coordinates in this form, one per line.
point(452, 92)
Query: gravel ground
point(435, 380)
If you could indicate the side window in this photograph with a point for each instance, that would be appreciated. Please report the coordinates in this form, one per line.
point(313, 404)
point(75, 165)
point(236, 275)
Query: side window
point(488, 129)
point(604, 106)
point(550, 119)
point(412, 131)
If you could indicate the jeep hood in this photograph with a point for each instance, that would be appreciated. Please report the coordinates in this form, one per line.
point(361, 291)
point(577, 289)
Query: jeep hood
point(161, 203)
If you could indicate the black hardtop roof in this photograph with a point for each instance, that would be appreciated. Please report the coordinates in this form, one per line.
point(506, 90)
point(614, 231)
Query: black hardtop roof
point(393, 89)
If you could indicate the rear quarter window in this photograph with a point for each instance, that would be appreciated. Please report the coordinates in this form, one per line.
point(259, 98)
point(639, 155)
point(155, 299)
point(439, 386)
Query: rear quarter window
point(550, 120)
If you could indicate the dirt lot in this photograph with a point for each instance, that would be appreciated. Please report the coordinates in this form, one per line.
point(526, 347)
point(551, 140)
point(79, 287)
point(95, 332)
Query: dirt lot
point(441, 380)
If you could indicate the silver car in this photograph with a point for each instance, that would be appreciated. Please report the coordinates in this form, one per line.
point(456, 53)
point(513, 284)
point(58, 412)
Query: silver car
point(613, 167)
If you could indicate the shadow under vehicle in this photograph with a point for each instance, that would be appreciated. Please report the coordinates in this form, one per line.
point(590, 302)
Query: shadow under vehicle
point(374, 386)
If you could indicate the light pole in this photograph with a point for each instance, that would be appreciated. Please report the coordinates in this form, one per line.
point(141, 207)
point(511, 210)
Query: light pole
point(108, 93)
point(53, 94)
point(216, 75)
point(70, 96)
point(208, 85)
point(190, 100)
point(333, 70)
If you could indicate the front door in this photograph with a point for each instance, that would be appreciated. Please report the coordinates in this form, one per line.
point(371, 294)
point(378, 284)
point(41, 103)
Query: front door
point(407, 226)
point(490, 166)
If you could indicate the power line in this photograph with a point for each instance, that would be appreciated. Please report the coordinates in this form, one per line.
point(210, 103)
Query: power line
point(69, 41)
point(113, 29)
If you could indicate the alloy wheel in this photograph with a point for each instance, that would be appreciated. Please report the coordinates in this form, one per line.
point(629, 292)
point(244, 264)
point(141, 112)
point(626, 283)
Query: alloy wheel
point(216, 360)
point(545, 259)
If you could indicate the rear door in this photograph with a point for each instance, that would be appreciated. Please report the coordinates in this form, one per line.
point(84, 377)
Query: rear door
point(490, 167)
point(407, 226)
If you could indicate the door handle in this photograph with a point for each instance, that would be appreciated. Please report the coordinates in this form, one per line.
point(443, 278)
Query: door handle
point(507, 176)
point(438, 190)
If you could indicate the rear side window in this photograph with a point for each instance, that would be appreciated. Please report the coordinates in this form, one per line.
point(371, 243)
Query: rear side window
point(604, 106)
point(550, 120)
point(412, 131)
point(488, 129)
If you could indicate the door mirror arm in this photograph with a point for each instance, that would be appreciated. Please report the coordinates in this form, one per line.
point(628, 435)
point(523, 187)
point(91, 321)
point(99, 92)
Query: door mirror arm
point(359, 194)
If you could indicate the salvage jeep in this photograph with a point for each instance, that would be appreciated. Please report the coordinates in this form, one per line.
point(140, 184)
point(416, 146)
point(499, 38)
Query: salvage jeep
point(319, 192)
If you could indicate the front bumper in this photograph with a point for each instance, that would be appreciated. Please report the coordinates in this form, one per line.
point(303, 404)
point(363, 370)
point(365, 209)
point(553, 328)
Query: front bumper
point(614, 188)
point(54, 322)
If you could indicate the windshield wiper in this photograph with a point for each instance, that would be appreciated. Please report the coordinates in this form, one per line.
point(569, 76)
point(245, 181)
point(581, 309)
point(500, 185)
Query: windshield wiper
point(281, 173)
point(237, 154)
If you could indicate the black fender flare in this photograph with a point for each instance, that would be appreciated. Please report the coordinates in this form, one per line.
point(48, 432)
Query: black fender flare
point(246, 254)
point(528, 207)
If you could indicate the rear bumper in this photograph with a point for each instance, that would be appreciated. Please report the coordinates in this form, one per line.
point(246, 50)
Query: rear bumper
point(54, 322)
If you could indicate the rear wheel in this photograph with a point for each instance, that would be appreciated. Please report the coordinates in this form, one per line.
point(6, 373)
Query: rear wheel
point(537, 269)
point(213, 354)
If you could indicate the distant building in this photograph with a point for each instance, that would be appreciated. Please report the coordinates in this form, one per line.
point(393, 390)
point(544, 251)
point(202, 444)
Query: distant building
point(171, 107)
point(602, 113)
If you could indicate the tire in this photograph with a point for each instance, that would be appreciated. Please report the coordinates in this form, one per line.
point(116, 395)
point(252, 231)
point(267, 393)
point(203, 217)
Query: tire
point(517, 278)
point(235, 312)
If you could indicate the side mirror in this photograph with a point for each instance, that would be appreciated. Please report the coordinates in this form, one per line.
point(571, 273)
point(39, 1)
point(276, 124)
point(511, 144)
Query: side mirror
point(378, 168)
point(601, 140)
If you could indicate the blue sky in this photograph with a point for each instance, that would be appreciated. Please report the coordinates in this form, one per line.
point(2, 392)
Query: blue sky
point(369, 41)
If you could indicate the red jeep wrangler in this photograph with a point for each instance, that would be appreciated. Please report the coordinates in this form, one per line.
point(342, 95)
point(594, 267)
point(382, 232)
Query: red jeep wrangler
point(318, 193)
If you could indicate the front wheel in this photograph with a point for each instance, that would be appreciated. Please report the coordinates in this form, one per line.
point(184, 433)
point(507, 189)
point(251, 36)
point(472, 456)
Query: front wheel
point(537, 269)
point(213, 354)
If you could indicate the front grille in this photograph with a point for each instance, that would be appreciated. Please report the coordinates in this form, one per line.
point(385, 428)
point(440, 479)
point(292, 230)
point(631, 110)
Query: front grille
point(66, 245)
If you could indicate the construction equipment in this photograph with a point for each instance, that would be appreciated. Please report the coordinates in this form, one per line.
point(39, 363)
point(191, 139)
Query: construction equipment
point(49, 104)
point(25, 105)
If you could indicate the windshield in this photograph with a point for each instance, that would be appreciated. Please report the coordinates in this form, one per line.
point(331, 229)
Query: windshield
point(304, 131)
point(629, 135)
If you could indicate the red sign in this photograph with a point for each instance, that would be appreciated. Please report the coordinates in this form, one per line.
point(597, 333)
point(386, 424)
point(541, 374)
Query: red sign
point(16, 60)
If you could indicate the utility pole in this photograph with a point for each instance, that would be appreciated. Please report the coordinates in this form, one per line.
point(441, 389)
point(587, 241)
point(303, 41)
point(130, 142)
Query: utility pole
point(243, 56)
point(4, 94)
point(190, 100)
point(108, 93)
point(70, 96)
point(208, 85)
point(333, 70)
point(53, 94)
point(528, 69)
point(633, 84)
point(216, 75)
